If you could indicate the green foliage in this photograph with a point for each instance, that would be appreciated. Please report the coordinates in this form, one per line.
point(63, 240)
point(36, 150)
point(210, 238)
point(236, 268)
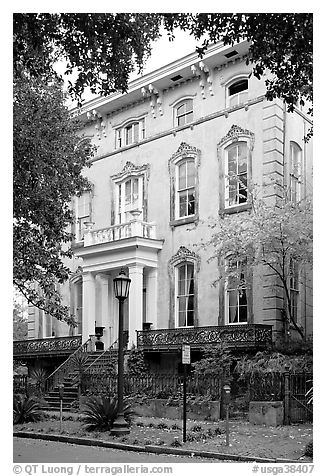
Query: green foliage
point(26, 409)
point(20, 320)
point(309, 449)
point(136, 365)
point(99, 413)
point(38, 377)
point(217, 360)
point(272, 363)
point(104, 48)
point(267, 236)
point(48, 159)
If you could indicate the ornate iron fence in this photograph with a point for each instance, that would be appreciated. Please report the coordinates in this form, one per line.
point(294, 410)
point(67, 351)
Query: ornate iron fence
point(246, 335)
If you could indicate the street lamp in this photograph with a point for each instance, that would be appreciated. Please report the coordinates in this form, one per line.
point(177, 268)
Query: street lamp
point(121, 290)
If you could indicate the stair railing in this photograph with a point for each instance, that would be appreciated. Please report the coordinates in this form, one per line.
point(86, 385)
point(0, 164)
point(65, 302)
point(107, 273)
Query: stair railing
point(74, 381)
point(65, 368)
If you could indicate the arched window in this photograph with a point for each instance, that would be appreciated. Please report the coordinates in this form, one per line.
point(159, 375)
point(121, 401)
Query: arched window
point(184, 112)
point(237, 92)
point(185, 188)
point(131, 133)
point(236, 172)
point(184, 295)
point(295, 172)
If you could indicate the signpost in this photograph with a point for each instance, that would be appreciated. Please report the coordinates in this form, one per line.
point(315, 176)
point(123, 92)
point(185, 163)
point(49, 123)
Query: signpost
point(185, 361)
point(227, 397)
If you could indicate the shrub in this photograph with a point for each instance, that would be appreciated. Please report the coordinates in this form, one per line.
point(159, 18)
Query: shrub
point(308, 451)
point(176, 443)
point(162, 426)
point(99, 413)
point(26, 409)
point(175, 426)
point(196, 428)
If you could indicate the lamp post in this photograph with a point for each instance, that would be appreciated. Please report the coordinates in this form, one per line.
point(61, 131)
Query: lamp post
point(227, 396)
point(121, 290)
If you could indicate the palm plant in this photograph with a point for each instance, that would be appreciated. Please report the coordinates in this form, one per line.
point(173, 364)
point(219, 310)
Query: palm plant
point(80, 364)
point(26, 409)
point(99, 413)
point(38, 377)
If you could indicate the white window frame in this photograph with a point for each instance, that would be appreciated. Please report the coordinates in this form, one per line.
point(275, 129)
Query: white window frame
point(240, 97)
point(78, 310)
point(227, 301)
point(122, 208)
point(186, 115)
point(178, 191)
point(177, 296)
point(295, 173)
point(238, 176)
point(80, 217)
point(122, 139)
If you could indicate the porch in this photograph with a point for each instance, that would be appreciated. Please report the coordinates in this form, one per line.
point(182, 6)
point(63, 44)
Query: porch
point(51, 346)
point(246, 336)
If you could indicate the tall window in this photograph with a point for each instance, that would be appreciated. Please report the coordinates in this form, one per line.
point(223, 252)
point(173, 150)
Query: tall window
point(83, 213)
point(295, 172)
point(236, 171)
point(79, 305)
point(185, 188)
point(184, 295)
point(238, 92)
point(294, 289)
point(131, 133)
point(130, 197)
point(184, 112)
point(236, 304)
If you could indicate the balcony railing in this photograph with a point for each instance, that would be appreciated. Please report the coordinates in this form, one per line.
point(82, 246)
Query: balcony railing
point(235, 336)
point(132, 228)
point(45, 347)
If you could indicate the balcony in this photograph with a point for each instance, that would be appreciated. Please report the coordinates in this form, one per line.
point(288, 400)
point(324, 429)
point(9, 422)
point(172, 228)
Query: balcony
point(52, 346)
point(236, 336)
point(130, 229)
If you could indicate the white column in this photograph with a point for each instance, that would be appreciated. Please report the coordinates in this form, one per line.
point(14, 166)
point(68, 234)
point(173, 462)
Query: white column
point(89, 305)
point(135, 303)
point(151, 297)
point(103, 307)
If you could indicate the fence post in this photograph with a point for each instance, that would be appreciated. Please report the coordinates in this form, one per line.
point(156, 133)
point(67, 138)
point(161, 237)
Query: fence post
point(286, 396)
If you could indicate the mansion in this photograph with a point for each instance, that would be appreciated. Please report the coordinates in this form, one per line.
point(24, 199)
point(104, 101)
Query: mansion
point(165, 153)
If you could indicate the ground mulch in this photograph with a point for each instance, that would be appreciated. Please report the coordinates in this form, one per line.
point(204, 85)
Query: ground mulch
point(286, 442)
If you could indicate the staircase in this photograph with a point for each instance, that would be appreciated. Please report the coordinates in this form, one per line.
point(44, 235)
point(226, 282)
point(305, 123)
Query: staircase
point(68, 375)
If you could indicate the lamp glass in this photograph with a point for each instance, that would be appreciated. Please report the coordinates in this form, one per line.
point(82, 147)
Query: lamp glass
point(121, 285)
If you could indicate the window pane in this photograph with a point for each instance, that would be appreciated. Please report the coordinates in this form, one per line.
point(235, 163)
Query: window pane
point(181, 110)
point(183, 203)
point(128, 192)
point(232, 160)
point(242, 158)
point(136, 132)
point(190, 173)
point(135, 191)
point(182, 319)
point(237, 87)
point(128, 135)
point(190, 318)
point(182, 303)
point(182, 175)
point(181, 120)
point(233, 101)
point(189, 105)
point(189, 117)
point(191, 202)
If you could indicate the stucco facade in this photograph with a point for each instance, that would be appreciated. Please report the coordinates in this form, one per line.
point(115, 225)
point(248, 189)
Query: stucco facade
point(143, 138)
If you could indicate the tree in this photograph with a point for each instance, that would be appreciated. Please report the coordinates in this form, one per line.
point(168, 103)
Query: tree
point(104, 48)
point(20, 328)
point(49, 156)
point(278, 238)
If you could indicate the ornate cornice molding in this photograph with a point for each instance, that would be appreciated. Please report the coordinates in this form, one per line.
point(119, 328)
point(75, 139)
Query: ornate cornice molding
point(234, 135)
point(183, 254)
point(131, 169)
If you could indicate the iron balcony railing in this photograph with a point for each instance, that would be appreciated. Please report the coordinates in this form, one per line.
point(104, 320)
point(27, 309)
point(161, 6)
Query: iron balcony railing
point(48, 346)
point(244, 336)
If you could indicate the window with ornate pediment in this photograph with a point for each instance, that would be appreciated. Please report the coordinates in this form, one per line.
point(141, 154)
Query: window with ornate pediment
point(235, 168)
point(184, 186)
point(183, 273)
point(130, 192)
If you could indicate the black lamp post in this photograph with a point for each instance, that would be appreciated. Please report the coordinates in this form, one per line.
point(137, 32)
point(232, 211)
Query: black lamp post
point(121, 290)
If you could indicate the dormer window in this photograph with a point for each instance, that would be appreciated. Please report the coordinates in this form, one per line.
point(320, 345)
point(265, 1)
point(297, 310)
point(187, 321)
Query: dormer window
point(238, 92)
point(184, 112)
point(131, 133)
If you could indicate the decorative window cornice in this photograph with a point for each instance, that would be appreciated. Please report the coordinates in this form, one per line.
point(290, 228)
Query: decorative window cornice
point(183, 255)
point(185, 150)
point(130, 169)
point(235, 134)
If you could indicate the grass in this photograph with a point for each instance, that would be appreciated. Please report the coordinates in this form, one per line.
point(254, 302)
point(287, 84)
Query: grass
point(287, 442)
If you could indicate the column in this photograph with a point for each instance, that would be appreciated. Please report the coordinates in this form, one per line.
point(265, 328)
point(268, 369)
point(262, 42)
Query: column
point(135, 303)
point(151, 294)
point(103, 315)
point(89, 305)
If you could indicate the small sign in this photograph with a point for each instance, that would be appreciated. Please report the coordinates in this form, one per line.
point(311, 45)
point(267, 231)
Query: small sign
point(186, 354)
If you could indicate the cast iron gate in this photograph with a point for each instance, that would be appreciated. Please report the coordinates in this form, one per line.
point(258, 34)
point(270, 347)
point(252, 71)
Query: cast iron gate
point(296, 402)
